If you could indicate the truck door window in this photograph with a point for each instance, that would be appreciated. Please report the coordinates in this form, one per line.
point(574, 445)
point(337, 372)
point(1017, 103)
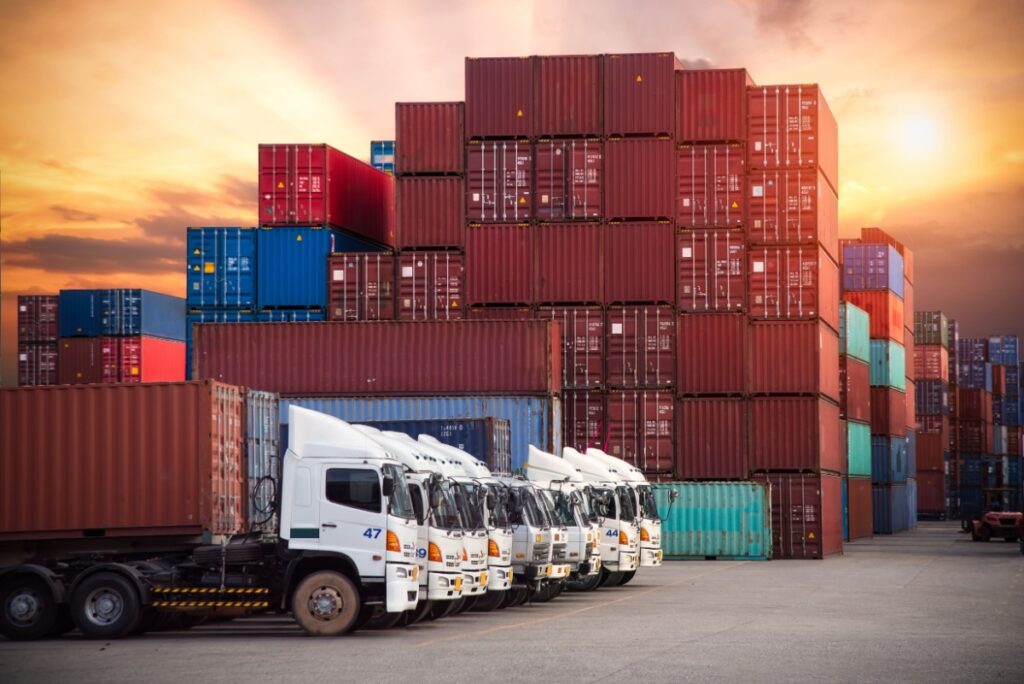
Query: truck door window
point(400, 503)
point(417, 504)
point(354, 488)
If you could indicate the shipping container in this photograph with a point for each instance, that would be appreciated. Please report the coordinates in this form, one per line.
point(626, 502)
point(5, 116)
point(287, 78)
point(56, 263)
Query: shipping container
point(430, 286)
point(641, 347)
point(844, 451)
point(888, 459)
point(712, 354)
point(586, 423)
point(568, 263)
point(954, 351)
point(858, 449)
point(431, 211)
point(37, 318)
point(640, 179)
point(909, 417)
point(712, 105)
point(792, 207)
point(535, 420)
point(931, 327)
point(845, 509)
point(877, 235)
point(500, 313)
point(806, 514)
point(429, 137)
point(382, 155)
point(638, 263)
point(872, 267)
point(724, 520)
point(211, 316)
point(931, 448)
point(975, 436)
point(973, 369)
point(640, 94)
point(583, 344)
point(794, 433)
point(79, 360)
point(854, 389)
point(486, 439)
point(126, 470)
point(37, 363)
point(641, 429)
point(289, 316)
point(711, 186)
point(317, 185)
point(931, 494)
point(998, 380)
point(712, 439)
point(221, 268)
point(932, 398)
point(885, 310)
point(890, 510)
point(908, 308)
point(888, 411)
point(383, 357)
point(999, 440)
point(794, 357)
point(361, 286)
point(859, 508)
point(974, 404)
point(499, 97)
point(931, 362)
point(569, 178)
point(854, 332)
point(1004, 350)
point(141, 359)
point(568, 98)
point(127, 311)
point(711, 268)
point(888, 365)
point(498, 264)
point(793, 283)
point(499, 181)
point(262, 457)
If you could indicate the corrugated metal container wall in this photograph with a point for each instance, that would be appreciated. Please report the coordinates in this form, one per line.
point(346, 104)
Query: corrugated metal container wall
point(711, 267)
point(931, 493)
point(641, 349)
point(879, 236)
point(861, 520)
point(641, 429)
point(885, 310)
point(192, 430)
point(638, 264)
point(911, 452)
point(932, 398)
point(37, 318)
point(872, 267)
point(807, 516)
point(845, 494)
point(794, 357)
point(888, 411)
point(711, 186)
point(499, 178)
point(854, 332)
point(974, 371)
point(931, 447)
point(429, 137)
point(712, 354)
point(361, 286)
point(794, 433)
point(140, 358)
point(586, 422)
point(583, 340)
point(888, 365)
point(500, 313)
point(262, 457)
point(908, 307)
point(430, 286)
point(499, 97)
point(498, 265)
point(786, 207)
point(431, 211)
point(486, 439)
point(858, 449)
point(890, 510)
point(854, 389)
point(1004, 350)
point(712, 105)
point(568, 263)
point(639, 94)
point(569, 95)
point(37, 363)
point(221, 265)
point(79, 360)
point(729, 520)
point(127, 311)
point(712, 439)
point(383, 357)
point(974, 404)
point(568, 179)
point(975, 436)
point(888, 459)
point(640, 179)
point(931, 362)
point(210, 316)
point(533, 420)
point(793, 282)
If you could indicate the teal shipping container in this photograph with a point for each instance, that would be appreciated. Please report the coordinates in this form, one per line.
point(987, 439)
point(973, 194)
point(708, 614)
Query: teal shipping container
point(888, 365)
point(725, 520)
point(858, 449)
point(854, 332)
point(846, 510)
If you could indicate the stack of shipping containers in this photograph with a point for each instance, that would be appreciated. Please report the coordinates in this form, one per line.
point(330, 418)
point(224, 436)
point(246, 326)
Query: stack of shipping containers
point(953, 461)
point(974, 424)
point(1005, 474)
point(855, 414)
point(37, 340)
point(931, 370)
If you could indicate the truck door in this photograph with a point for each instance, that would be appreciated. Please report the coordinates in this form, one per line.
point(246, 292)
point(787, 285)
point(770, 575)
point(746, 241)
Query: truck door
point(352, 518)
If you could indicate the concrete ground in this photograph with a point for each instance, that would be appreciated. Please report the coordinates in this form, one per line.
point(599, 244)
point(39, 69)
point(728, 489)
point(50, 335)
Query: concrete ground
point(927, 606)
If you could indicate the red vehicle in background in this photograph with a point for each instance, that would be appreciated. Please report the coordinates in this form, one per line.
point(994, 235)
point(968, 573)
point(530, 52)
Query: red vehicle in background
point(994, 524)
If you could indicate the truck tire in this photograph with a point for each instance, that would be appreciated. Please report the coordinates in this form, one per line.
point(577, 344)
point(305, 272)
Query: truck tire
point(383, 620)
point(627, 577)
point(326, 603)
point(611, 579)
point(588, 583)
point(417, 614)
point(492, 600)
point(29, 611)
point(106, 606)
point(985, 533)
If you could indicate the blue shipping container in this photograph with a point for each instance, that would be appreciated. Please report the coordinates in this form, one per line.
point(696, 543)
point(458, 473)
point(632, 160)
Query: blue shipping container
point(212, 316)
point(1013, 469)
point(973, 371)
point(911, 453)
point(125, 311)
point(888, 459)
point(715, 520)
point(971, 499)
point(289, 316)
point(888, 365)
point(532, 420)
point(890, 508)
point(931, 398)
point(854, 332)
point(221, 264)
point(911, 503)
point(846, 509)
point(382, 155)
point(1004, 350)
point(872, 267)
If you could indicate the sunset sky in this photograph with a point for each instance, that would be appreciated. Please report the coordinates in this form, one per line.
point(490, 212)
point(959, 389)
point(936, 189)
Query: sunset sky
point(123, 123)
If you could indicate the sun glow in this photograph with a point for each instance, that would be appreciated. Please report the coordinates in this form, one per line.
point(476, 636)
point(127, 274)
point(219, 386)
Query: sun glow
point(919, 136)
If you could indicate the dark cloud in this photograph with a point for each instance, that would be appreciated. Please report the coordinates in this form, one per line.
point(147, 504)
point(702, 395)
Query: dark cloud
point(789, 17)
point(72, 214)
point(697, 63)
point(73, 254)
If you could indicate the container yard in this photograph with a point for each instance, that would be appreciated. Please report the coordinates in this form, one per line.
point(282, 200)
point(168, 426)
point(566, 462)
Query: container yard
point(594, 338)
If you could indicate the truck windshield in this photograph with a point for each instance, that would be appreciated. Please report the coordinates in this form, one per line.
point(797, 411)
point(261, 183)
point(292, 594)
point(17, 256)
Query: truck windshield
point(546, 505)
point(603, 501)
point(497, 514)
point(648, 506)
point(586, 510)
point(626, 502)
point(562, 508)
point(446, 515)
point(400, 502)
point(469, 508)
point(531, 513)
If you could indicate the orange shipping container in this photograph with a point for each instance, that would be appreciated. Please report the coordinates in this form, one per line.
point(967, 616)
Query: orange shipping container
point(931, 362)
point(885, 310)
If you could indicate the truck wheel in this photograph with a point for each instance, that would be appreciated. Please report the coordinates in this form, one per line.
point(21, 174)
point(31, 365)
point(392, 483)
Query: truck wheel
point(985, 533)
point(106, 606)
point(383, 620)
point(29, 611)
point(611, 579)
point(588, 583)
point(627, 577)
point(489, 601)
point(326, 604)
point(419, 613)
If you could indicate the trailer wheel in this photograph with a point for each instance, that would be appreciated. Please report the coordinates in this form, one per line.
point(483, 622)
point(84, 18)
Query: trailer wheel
point(326, 604)
point(627, 577)
point(29, 611)
point(106, 606)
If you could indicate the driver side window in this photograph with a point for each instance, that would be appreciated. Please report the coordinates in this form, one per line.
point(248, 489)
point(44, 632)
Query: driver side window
point(354, 488)
point(418, 505)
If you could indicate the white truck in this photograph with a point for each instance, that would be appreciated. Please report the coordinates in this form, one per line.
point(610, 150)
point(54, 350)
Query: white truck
point(531, 541)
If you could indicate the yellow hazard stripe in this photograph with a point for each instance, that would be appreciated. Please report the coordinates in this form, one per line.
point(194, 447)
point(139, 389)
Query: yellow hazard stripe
point(209, 590)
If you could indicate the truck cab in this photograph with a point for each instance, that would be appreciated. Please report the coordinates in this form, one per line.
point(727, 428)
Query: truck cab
point(531, 528)
point(650, 521)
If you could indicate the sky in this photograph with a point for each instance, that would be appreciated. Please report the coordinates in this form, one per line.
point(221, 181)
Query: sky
point(124, 122)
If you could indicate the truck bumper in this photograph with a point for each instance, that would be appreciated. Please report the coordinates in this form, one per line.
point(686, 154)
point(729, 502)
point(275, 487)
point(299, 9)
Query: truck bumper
point(560, 571)
point(650, 558)
point(628, 562)
point(403, 586)
point(499, 578)
point(595, 566)
point(444, 586)
point(474, 582)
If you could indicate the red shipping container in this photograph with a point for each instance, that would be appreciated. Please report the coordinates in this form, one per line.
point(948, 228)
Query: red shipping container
point(429, 137)
point(885, 310)
point(569, 178)
point(582, 344)
point(568, 261)
point(638, 263)
point(431, 211)
point(498, 181)
point(909, 350)
point(931, 493)
point(1014, 439)
point(860, 514)
point(712, 439)
point(998, 380)
point(712, 105)
point(711, 267)
point(37, 363)
point(499, 97)
point(910, 417)
point(807, 514)
point(500, 313)
point(498, 264)
point(974, 404)
point(877, 236)
point(854, 389)
point(641, 347)
point(569, 95)
point(584, 422)
point(794, 357)
point(37, 318)
point(793, 283)
point(640, 179)
point(975, 436)
point(641, 429)
point(430, 286)
point(317, 185)
point(712, 182)
point(933, 425)
point(908, 307)
point(792, 127)
point(931, 449)
point(794, 433)
point(361, 286)
point(381, 358)
point(640, 94)
point(79, 361)
point(792, 207)
point(142, 359)
point(888, 412)
point(712, 354)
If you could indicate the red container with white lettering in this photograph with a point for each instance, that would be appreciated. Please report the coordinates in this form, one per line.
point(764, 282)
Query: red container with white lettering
point(429, 286)
point(641, 347)
point(361, 286)
point(583, 344)
point(793, 282)
point(712, 186)
point(585, 422)
point(711, 270)
point(37, 363)
point(569, 179)
point(641, 429)
point(499, 181)
point(792, 207)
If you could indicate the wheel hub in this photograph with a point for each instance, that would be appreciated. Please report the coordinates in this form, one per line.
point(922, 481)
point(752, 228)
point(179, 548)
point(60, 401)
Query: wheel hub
point(104, 607)
point(325, 603)
point(23, 608)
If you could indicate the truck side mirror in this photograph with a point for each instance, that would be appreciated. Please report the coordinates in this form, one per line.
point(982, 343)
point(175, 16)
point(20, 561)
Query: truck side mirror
point(388, 486)
point(435, 496)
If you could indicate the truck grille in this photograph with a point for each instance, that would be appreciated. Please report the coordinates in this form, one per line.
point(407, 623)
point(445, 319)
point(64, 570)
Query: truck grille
point(540, 552)
point(558, 554)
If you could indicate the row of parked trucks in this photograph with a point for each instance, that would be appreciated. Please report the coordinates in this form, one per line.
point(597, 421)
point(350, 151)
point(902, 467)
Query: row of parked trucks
point(369, 529)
